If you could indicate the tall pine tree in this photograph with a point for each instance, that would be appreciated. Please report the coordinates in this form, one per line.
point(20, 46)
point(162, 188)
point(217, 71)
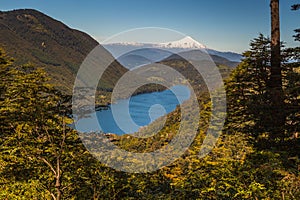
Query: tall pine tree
point(275, 83)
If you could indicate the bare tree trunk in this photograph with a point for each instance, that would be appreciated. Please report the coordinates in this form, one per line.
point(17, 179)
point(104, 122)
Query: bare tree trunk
point(95, 195)
point(57, 174)
point(275, 82)
point(57, 181)
point(276, 78)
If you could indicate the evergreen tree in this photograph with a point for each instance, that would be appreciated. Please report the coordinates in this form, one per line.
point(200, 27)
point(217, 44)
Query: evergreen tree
point(297, 36)
point(250, 109)
point(248, 102)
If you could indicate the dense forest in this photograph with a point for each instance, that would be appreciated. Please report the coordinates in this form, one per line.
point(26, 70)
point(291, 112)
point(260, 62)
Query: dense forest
point(256, 157)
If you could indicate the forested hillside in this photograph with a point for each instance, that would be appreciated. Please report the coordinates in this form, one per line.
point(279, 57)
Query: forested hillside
point(255, 158)
point(31, 36)
point(41, 156)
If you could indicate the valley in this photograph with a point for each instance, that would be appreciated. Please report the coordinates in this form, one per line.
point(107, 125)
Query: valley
point(149, 113)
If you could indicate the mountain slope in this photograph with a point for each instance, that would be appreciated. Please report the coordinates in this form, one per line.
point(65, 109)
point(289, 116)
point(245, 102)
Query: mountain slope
point(140, 57)
point(198, 55)
point(235, 57)
point(31, 36)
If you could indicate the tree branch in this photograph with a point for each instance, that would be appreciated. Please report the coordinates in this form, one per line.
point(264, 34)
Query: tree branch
point(53, 196)
point(49, 165)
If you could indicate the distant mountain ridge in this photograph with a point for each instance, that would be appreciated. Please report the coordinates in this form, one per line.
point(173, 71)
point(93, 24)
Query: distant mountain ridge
point(31, 36)
point(134, 54)
point(183, 45)
point(235, 57)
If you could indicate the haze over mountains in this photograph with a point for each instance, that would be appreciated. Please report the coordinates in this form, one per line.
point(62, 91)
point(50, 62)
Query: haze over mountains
point(133, 54)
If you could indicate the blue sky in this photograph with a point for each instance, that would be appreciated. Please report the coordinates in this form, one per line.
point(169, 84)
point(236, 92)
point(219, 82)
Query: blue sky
point(226, 25)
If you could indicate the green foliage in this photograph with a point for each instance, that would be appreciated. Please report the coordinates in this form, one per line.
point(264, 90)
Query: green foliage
point(247, 91)
point(248, 94)
point(22, 190)
point(295, 6)
point(42, 158)
point(297, 31)
point(38, 150)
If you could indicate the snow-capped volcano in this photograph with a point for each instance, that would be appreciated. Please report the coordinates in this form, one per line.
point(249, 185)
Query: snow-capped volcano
point(185, 43)
point(138, 53)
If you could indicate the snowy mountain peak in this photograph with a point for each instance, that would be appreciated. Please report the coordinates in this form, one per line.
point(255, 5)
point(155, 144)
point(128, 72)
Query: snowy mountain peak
point(174, 47)
point(185, 43)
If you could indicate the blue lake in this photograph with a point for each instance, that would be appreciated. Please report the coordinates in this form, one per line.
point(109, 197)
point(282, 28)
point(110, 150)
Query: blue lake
point(128, 115)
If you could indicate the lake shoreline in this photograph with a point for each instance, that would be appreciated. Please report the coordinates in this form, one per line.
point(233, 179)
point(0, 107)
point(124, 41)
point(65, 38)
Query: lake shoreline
point(134, 112)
